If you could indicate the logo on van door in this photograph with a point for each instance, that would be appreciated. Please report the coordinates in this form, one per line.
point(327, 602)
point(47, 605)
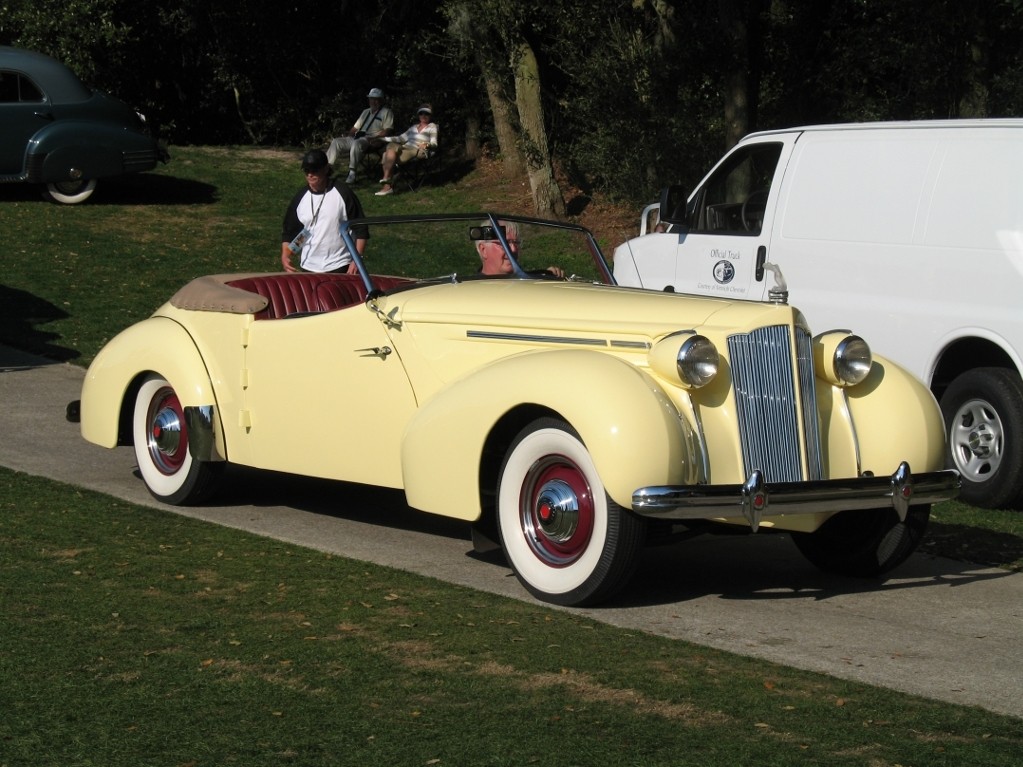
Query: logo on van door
point(724, 272)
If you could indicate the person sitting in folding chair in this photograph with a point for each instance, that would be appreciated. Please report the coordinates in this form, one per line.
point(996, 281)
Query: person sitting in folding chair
point(416, 144)
point(366, 134)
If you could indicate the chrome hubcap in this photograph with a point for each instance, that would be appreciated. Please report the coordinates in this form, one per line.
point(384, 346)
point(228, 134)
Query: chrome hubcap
point(168, 439)
point(557, 511)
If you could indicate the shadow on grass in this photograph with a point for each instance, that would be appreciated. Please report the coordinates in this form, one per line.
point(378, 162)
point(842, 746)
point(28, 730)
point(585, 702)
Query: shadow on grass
point(133, 189)
point(21, 313)
point(976, 544)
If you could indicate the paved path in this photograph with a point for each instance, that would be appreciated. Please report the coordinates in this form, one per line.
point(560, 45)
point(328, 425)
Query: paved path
point(940, 629)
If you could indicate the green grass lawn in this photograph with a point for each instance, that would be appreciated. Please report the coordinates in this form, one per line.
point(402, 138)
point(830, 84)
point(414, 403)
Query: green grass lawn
point(135, 637)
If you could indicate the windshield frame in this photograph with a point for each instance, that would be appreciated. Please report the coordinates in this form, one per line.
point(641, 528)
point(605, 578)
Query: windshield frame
point(350, 229)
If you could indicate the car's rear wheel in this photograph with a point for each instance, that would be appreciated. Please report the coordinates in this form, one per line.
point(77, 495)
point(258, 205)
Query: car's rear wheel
point(71, 192)
point(566, 540)
point(161, 447)
point(983, 412)
point(864, 544)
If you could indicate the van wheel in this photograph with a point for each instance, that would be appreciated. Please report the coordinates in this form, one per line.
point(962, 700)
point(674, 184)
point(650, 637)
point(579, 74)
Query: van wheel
point(863, 544)
point(983, 411)
point(70, 192)
point(568, 542)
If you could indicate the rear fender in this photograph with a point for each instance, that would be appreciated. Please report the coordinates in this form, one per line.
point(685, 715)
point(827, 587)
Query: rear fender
point(92, 149)
point(634, 433)
point(158, 345)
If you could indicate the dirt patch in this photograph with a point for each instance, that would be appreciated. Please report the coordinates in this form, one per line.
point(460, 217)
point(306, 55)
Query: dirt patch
point(611, 223)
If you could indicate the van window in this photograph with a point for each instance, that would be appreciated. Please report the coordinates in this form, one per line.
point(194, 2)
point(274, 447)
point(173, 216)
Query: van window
point(734, 199)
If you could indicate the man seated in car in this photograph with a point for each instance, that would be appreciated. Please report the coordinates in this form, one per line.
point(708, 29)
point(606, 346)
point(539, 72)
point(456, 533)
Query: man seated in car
point(493, 257)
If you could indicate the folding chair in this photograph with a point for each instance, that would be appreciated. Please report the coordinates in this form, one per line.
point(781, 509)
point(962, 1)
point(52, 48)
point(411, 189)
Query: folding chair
point(415, 172)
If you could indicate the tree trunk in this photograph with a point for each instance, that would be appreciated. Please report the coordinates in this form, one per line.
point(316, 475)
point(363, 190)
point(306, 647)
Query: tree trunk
point(741, 25)
point(547, 197)
point(472, 137)
point(733, 26)
point(504, 126)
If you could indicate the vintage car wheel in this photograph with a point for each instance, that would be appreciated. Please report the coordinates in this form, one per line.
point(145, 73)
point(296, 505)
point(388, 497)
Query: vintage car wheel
point(71, 192)
point(161, 447)
point(983, 411)
point(864, 544)
point(566, 540)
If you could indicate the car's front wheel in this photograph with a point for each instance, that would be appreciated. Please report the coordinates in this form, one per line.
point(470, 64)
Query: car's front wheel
point(864, 544)
point(983, 411)
point(161, 447)
point(71, 192)
point(566, 540)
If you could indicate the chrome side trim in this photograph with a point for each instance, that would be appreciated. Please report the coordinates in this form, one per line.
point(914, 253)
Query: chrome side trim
point(536, 338)
point(756, 499)
point(630, 344)
point(201, 422)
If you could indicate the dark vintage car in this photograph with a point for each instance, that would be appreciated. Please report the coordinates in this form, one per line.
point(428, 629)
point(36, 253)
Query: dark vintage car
point(62, 134)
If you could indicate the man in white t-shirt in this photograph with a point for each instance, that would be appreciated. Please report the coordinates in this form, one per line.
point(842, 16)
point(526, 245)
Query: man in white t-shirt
point(312, 223)
point(368, 132)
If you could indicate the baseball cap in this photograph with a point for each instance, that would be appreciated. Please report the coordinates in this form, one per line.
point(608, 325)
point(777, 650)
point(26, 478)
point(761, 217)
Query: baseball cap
point(314, 159)
point(375, 93)
point(424, 108)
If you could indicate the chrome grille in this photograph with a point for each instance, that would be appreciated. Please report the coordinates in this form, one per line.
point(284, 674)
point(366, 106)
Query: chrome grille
point(808, 398)
point(765, 394)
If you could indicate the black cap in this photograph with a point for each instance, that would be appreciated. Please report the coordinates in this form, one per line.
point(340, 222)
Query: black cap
point(314, 159)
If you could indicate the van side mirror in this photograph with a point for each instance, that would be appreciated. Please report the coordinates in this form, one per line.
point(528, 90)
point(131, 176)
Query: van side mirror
point(673, 206)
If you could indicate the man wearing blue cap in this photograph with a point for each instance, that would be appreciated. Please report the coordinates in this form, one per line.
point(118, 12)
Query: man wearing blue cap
point(373, 124)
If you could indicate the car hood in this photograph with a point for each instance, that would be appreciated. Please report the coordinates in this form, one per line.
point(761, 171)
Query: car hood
point(580, 307)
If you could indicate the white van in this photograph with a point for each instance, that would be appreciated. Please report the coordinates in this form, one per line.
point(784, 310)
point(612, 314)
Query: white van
point(909, 233)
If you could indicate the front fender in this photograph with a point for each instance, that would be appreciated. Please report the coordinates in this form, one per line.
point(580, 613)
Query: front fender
point(157, 344)
point(896, 419)
point(634, 433)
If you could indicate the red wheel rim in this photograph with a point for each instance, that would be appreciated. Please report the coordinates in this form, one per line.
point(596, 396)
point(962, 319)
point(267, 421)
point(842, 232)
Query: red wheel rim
point(166, 433)
point(556, 511)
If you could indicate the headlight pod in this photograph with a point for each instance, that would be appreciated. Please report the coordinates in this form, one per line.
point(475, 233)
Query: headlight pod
point(842, 359)
point(686, 356)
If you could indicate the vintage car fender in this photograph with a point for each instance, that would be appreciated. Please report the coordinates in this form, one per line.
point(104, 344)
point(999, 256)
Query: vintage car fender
point(633, 432)
point(892, 395)
point(158, 345)
point(94, 149)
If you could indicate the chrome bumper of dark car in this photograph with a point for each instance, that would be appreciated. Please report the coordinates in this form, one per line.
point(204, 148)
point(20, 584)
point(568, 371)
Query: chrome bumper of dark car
point(756, 499)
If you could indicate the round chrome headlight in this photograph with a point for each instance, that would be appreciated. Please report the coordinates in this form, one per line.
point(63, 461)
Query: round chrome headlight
point(852, 360)
point(685, 357)
point(697, 361)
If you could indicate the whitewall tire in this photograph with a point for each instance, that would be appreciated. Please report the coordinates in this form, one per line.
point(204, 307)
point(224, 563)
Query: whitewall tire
point(564, 537)
point(160, 435)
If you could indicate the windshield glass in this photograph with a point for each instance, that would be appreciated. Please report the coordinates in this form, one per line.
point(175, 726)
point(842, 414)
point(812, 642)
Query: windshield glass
point(478, 246)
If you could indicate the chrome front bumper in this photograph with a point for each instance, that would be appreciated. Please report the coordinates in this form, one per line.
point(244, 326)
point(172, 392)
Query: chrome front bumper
point(755, 499)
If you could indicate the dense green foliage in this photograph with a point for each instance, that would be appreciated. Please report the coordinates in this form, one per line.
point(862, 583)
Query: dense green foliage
point(637, 93)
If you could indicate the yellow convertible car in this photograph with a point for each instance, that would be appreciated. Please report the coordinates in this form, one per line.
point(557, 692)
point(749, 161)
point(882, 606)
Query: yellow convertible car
point(489, 367)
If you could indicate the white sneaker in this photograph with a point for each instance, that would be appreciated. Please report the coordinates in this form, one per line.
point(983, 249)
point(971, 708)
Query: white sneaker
point(385, 191)
point(351, 177)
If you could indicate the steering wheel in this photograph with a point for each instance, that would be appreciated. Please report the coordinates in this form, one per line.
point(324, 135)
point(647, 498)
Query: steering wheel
point(755, 204)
